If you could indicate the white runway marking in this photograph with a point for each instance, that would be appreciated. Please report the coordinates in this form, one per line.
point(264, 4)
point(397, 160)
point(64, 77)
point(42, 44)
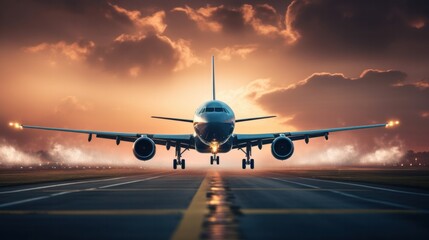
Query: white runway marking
point(297, 183)
point(373, 200)
point(23, 201)
point(350, 195)
point(370, 187)
point(72, 191)
point(59, 185)
point(123, 183)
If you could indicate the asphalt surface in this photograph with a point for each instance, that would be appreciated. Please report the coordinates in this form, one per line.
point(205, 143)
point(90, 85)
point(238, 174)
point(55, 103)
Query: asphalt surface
point(212, 205)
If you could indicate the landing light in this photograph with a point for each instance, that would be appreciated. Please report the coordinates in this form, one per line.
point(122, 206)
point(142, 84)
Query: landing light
point(15, 125)
point(392, 123)
point(214, 146)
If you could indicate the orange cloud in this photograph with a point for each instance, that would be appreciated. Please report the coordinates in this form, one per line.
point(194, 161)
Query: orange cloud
point(202, 17)
point(70, 105)
point(241, 51)
point(249, 16)
point(154, 22)
point(180, 49)
point(275, 28)
point(74, 51)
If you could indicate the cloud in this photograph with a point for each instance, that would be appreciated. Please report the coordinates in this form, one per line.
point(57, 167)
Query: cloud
point(202, 17)
point(154, 22)
point(332, 100)
point(265, 20)
point(71, 105)
point(241, 51)
point(336, 27)
point(138, 54)
point(74, 51)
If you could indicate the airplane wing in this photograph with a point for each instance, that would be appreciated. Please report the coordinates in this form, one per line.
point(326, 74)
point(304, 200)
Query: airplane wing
point(185, 140)
point(241, 140)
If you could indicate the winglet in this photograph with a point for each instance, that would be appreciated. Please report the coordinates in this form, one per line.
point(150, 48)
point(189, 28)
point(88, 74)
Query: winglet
point(213, 79)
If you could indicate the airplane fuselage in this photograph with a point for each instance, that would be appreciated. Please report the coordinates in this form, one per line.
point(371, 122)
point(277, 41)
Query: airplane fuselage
point(214, 123)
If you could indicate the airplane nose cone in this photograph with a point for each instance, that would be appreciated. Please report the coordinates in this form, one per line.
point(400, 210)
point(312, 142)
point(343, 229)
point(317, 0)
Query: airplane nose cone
point(214, 131)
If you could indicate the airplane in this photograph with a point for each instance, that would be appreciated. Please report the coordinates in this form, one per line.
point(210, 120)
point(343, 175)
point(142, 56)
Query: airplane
point(213, 124)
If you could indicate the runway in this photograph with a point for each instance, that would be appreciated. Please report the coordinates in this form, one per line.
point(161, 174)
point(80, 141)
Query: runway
point(212, 205)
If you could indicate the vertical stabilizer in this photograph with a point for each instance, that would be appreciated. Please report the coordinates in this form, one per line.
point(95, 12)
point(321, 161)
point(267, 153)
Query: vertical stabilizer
point(213, 79)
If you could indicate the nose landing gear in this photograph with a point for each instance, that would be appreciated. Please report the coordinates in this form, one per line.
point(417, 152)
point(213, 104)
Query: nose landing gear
point(213, 159)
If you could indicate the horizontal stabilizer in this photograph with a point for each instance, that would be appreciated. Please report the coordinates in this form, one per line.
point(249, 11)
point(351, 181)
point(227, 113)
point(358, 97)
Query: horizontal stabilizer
point(251, 119)
point(174, 119)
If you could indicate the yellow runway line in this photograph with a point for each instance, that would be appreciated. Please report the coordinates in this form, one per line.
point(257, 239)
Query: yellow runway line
point(191, 224)
point(330, 211)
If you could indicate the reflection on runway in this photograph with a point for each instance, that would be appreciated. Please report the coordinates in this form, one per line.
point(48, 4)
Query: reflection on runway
point(212, 205)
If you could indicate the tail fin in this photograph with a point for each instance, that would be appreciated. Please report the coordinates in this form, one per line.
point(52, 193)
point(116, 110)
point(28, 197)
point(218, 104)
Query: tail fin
point(213, 79)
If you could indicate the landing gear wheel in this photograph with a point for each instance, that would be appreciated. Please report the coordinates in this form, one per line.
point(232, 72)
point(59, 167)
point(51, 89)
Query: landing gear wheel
point(183, 164)
point(243, 164)
point(174, 164)
point(252, 163)
point(217, 160)
point(211, 160)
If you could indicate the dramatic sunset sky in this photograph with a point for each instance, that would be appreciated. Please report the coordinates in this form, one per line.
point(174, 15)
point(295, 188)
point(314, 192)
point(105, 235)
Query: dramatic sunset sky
point(110, 65)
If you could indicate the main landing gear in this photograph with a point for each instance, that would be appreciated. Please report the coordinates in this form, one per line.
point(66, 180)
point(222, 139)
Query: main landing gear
point(213, 159)
point(248, 160)
point(179, 161)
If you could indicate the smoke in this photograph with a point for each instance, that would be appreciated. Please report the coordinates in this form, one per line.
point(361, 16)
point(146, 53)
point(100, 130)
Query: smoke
point(383, 156)
point(58, 154)
point(11, 156)
point(349, 155)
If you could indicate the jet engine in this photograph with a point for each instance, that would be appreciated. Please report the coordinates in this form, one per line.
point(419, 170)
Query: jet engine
point(144, 148)
point(282, 148)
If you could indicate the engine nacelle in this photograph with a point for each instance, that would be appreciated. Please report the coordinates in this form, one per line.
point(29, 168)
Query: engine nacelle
point(144, 148)
point(282, 148)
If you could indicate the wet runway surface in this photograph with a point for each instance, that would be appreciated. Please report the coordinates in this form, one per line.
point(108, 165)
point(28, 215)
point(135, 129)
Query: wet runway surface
point(212, 205)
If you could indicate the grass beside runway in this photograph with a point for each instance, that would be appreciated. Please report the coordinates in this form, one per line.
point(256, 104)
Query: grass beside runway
point(416, 178)
point(19, 177)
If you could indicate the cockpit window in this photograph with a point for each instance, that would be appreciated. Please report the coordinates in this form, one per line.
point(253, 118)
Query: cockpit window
point(211, 109)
